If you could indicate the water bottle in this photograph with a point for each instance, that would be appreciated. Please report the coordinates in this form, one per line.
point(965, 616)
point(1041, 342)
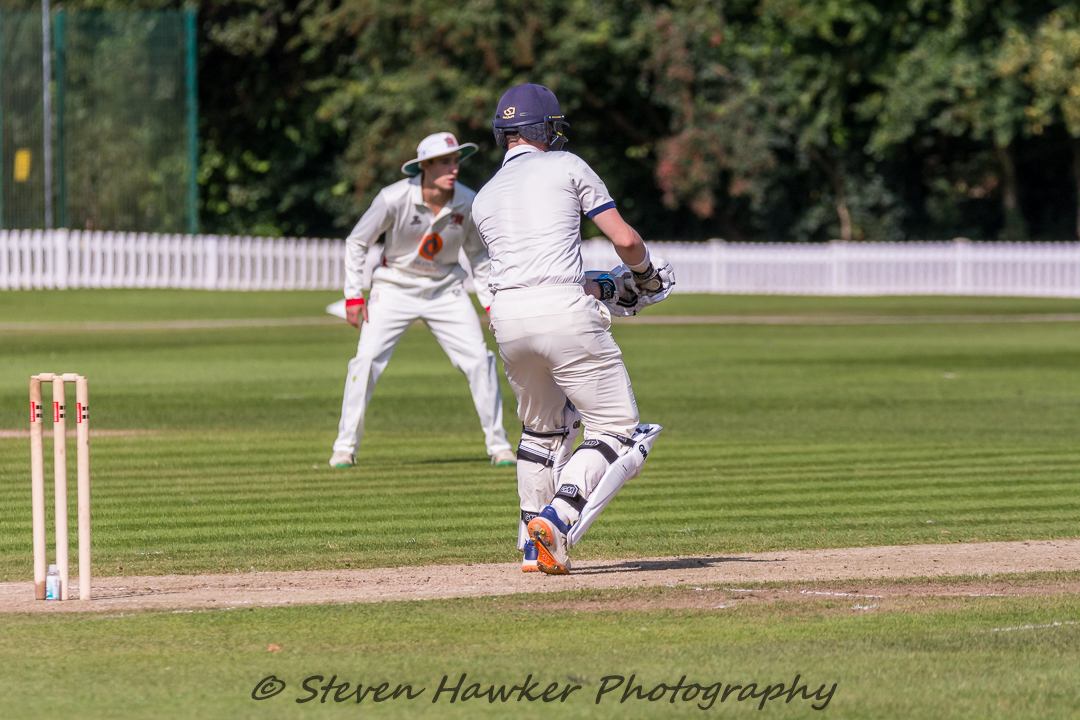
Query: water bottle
point(52, 584)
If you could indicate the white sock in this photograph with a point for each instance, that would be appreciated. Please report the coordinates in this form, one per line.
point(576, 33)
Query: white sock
point(566, 512)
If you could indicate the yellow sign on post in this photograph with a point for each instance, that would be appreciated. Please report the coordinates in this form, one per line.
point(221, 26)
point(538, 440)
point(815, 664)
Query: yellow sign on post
point(22, 165)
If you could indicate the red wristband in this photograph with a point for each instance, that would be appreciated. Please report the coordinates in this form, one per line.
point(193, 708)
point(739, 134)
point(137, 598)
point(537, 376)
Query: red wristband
point(353, 302)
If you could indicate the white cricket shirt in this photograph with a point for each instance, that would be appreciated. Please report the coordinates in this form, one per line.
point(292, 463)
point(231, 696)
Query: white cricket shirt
point(529, 216)
point(421, 252)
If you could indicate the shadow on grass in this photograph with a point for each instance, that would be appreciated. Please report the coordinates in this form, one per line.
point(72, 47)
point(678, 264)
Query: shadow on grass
point(122, 593)
point(455, 461)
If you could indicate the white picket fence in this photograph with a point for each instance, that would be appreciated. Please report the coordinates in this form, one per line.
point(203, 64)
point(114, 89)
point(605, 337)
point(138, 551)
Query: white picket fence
point(74, 259)
point(960, 267)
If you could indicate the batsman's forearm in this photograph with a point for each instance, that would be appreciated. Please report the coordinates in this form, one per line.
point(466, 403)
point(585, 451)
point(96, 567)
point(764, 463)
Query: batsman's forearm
point(632, 251)
point(628, 244)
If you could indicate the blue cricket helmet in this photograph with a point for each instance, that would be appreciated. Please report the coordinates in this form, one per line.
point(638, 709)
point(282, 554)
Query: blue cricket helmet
point(533, 112)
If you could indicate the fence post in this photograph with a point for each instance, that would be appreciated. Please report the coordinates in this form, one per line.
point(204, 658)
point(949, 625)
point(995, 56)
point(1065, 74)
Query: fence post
point(960, 253)
point(337, 264)
point(153, 259)
point(37, 259)
point(60, 259)
point(191, 251)
point(210, 262)
point(75, 271)
point(48, 260)
point(717, 260)
point(1075, 274)
point(18, 261)
point(175, 253)
point(108, 244)
point(837, 267)
point(3, 253)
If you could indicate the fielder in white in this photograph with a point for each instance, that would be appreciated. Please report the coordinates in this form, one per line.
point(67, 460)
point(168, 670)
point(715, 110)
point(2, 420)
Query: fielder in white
point(552, 319)
point(427, 219)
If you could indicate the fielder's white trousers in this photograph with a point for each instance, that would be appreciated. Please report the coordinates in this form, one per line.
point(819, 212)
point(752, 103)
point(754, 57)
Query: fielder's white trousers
point(450, 316)
point(556, 344)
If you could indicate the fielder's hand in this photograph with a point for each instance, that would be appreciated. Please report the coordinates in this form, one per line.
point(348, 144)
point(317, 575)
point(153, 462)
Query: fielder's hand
point(352, 314)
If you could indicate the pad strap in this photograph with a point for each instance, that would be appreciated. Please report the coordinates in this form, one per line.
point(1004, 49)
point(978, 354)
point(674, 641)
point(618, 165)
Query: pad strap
point(600, 447)
point(572, 495)
point(534, 453)
point(561, 432)
point(526, 516)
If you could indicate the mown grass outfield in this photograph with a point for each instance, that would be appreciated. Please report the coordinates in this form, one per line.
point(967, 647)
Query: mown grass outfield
point(777, 436)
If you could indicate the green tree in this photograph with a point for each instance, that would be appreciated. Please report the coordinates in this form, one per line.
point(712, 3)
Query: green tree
point(1047, 59)
point(764, 122)
point(407, 69)
point(774, 119)
point(960, 79)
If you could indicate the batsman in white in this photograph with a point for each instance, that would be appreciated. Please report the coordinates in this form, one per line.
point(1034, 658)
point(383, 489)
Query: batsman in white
point(552, 322)
point(427, 219)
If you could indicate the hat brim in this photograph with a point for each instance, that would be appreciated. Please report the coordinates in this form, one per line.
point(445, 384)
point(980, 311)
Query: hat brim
point(412, 167)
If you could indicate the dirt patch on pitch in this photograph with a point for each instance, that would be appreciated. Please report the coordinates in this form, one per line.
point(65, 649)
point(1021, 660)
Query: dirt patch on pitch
point(879, 596)
point(820, 570)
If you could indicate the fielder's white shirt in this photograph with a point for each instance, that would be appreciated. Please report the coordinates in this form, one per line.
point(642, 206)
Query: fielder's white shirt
point(421, 252)
point(529, 216)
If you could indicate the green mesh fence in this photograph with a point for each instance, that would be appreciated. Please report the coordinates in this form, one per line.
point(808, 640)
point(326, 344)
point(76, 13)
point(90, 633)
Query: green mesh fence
point(22, 200)
point(124, 119)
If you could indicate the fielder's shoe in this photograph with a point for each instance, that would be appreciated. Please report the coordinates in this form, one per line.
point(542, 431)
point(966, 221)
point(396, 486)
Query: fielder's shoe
point(503, 458)
point(529, 563)
point(342, 459)
point(549, 534)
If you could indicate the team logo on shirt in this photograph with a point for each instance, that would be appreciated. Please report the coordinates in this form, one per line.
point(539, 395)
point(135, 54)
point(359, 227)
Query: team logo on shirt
point(457, 219)
point(430, 246)
point(415, 220)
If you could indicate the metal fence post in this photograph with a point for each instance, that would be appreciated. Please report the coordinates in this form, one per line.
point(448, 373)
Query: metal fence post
point(2, 69)
point(46, 98)
point(59, 48)
point(192, 80)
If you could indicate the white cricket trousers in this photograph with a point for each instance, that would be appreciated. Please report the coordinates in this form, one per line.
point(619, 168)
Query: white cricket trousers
point(556, 344)
point(452, 320)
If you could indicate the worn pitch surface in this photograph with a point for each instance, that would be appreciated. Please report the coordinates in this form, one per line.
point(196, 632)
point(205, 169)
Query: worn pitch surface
point(184, 592)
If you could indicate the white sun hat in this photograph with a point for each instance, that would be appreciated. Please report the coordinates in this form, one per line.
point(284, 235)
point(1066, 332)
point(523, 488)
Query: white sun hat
point(437, 145)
